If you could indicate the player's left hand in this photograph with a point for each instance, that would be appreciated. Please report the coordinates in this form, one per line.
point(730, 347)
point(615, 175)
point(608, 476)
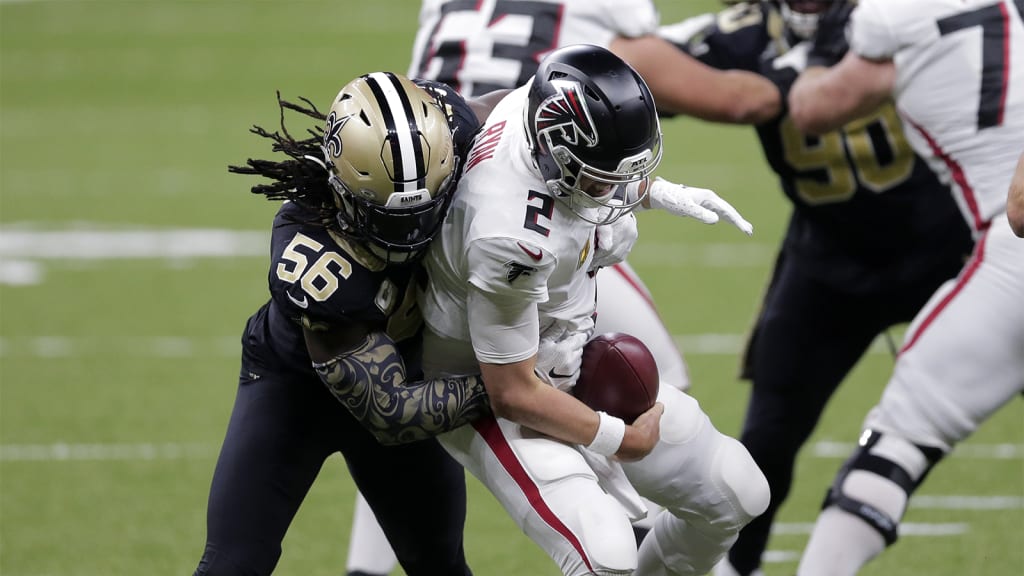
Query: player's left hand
point(614, 241)
point(559, 356)
point(830, 41)
point(697, 203)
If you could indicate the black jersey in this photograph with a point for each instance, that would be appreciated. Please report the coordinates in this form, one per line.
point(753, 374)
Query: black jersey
point(319, 279)
point(865, 207)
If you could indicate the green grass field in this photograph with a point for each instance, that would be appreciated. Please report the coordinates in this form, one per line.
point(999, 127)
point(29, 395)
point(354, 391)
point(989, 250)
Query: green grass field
point(119, 334)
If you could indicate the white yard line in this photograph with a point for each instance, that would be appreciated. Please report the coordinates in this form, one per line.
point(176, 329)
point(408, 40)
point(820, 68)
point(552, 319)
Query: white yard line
point(61, 451)
point(829, 449)
point(62, 346)
point(906, 529)
point(27, 249)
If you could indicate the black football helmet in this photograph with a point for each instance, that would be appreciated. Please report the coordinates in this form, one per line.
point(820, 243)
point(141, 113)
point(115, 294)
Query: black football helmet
point(392, 162)
point(593, 128)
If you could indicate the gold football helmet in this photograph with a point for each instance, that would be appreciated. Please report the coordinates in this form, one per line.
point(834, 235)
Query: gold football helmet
point(389, 149)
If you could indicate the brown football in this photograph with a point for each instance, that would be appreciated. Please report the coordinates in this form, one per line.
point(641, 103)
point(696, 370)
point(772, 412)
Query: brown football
point(618, 376)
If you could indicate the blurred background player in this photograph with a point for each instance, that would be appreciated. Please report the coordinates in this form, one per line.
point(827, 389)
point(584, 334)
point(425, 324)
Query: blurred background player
point(951, 67)
point(477, 47)
point(364, 196)
point(872, 234)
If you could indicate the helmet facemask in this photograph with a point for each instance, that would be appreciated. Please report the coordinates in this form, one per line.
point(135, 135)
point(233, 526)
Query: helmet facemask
point(803, 22)
point(400, 230)
point(580, 185)
point(390, 153)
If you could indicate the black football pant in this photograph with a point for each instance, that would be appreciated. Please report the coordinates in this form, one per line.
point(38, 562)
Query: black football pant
point(282, 428)
point(807, 339)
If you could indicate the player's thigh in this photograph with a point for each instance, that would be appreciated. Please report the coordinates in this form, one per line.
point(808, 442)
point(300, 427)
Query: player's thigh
point(810, 334)
point(696, 471)
point(272, 452)
point(962, 357)
point(550, 492)
point(624, 305)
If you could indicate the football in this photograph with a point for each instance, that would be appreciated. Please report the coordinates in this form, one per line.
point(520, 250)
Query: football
point(618, 376)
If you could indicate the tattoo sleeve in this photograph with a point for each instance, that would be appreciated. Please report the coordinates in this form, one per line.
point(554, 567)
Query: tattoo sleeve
point(370, 381)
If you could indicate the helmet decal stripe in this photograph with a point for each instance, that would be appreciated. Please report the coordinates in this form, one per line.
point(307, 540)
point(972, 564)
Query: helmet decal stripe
point(406, 148)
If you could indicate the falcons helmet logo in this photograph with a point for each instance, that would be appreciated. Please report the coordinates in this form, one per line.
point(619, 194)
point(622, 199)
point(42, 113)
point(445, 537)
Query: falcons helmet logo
point(567, 111)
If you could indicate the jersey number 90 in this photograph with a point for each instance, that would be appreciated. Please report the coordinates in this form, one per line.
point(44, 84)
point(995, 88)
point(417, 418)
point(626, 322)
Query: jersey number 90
point(872, 151)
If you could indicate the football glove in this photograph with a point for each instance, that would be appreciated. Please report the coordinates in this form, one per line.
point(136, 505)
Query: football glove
point(559, 357)
point(613, 242)
point(698, 203)
point(830, 42)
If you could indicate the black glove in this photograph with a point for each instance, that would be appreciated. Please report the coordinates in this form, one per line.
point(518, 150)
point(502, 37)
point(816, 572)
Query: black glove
point(783, 78)
point(830, 43)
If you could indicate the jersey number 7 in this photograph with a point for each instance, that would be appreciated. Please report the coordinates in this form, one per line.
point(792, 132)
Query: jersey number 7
point(994, 20)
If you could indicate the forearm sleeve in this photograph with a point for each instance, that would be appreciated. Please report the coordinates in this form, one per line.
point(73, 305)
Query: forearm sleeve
point(370, 382)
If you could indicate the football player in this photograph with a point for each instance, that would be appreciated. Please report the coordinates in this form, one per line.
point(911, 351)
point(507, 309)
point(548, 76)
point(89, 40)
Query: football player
point(364, 196)
point(947, 63)
point(873, 232)
point(511, 268)
point(476, 47)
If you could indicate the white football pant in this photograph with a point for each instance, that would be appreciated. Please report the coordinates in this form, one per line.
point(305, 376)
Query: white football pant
point(707, 482)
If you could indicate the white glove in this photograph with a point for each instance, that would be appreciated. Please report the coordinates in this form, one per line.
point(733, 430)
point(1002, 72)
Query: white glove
point(559, 357)
point(614, 241)
point(697, 203)
point(795, 58)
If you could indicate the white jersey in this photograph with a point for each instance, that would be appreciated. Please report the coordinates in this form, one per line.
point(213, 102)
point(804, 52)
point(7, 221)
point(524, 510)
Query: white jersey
point(486, 45)
point(959, 86)
point(509, 237)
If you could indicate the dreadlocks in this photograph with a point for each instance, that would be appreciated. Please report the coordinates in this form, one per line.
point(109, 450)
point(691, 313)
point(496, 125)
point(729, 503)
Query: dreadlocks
point(302, 178)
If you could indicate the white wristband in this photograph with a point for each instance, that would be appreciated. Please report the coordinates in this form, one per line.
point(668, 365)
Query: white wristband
point(609, 435)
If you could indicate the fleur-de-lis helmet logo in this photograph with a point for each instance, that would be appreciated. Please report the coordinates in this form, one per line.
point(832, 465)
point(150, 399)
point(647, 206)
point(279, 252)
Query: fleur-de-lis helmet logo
point(566, 112)
point(332, 134)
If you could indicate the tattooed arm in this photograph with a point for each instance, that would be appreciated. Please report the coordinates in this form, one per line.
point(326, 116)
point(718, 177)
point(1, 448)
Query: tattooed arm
point(369, 380)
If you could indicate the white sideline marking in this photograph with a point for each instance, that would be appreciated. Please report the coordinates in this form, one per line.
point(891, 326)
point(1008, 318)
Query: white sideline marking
point(967, 502)
point(59, 346)
point(23, 245)
point(733, 344)
point(145, 347)
point(171, 450)
point(906, 529)
point(86, 244)
point(780, 556)
point(61, 452)
point(829, 449)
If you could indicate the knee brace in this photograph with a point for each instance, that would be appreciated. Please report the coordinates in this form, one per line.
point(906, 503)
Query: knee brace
point(878, 479)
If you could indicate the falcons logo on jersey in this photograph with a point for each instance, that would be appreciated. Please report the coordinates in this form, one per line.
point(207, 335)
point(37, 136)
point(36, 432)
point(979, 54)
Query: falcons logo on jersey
point(566, 110)
point(515, 270)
